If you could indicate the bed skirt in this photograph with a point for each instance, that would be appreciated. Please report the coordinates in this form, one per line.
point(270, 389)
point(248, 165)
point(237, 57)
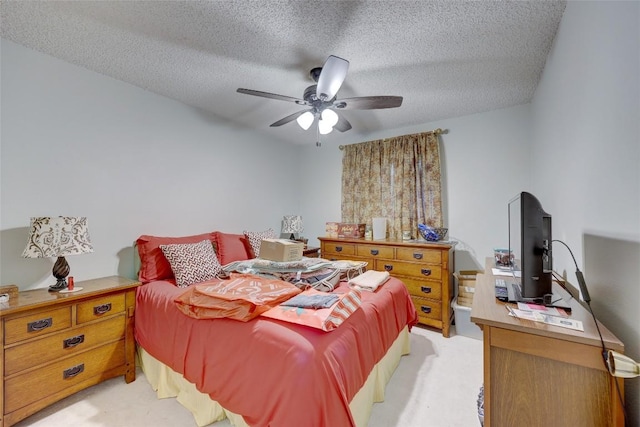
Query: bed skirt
point(168, 383)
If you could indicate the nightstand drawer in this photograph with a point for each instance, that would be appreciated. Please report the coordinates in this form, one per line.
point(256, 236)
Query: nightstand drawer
point(397, 268)
point(62, 344)
point(36, 324)
point(100, 307)
point(427, 308)
point(373, 251)
point(417, 254)
point(22, 390)
point(423, 288)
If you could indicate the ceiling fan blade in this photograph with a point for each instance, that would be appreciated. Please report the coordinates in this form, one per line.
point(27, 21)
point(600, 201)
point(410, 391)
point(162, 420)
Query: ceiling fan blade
point(343, 124)
point(368, 103)
point(333, 73)
point(288, 119)
point(272, 96)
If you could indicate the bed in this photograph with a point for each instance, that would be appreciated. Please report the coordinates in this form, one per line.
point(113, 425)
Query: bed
point(267, 372)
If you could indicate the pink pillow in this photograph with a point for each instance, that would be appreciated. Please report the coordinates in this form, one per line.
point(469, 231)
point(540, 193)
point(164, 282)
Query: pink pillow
point(153, 264)
point(231, 247)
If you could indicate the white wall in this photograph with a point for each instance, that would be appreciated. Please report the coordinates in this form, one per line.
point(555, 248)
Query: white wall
point(586, 134)
point(75, 142)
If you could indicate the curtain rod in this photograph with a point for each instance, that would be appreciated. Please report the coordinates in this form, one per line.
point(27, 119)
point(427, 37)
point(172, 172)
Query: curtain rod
point(437, 132)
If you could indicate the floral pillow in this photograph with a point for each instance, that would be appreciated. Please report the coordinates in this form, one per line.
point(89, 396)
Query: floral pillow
point(192, 262)
point(255, 238)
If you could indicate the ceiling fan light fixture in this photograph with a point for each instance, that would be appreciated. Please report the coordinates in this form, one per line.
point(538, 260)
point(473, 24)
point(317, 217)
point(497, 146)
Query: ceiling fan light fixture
point(330, 117)
point(305, 120)
point(324, 127)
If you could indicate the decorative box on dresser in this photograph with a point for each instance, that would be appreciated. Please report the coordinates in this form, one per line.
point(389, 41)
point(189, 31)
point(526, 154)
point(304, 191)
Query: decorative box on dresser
point(56, 344)
point(424, 267)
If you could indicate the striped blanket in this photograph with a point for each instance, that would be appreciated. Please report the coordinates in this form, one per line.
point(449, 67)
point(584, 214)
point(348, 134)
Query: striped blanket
point(326, 319)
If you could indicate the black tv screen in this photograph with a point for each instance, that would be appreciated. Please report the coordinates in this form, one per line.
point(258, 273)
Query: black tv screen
point(530, 243)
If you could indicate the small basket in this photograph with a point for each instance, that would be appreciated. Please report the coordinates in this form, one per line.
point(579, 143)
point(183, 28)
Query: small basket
point(440, 233)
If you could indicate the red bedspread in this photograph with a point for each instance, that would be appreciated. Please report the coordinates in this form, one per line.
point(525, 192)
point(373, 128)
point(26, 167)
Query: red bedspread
point(274, 373)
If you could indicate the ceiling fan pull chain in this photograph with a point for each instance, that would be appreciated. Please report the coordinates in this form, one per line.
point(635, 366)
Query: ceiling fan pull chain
point(318, 144)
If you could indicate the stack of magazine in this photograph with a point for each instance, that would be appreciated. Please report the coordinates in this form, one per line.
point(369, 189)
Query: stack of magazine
point(549, 315)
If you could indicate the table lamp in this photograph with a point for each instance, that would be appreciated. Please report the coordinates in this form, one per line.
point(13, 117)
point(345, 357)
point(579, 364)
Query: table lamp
point(51, 237)
point(292, 224)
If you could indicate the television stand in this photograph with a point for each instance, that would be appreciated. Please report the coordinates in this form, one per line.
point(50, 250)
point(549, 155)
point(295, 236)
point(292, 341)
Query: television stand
point(542, 375)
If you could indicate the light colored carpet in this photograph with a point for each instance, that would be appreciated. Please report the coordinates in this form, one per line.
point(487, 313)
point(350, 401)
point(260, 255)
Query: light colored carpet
point(436, 385)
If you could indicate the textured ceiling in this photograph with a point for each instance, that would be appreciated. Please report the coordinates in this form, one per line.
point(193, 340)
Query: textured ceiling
point(446, 58)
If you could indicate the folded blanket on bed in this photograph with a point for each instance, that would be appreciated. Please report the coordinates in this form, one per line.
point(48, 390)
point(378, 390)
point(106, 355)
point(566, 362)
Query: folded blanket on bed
point(312, 301)
point(326, 319)
point(369, 280)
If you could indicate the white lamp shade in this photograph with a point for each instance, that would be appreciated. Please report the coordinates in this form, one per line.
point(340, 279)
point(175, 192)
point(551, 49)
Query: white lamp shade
point(292, 224)
point(324, 128)
point(57, 237)
point(305, 120)
point(330, 117)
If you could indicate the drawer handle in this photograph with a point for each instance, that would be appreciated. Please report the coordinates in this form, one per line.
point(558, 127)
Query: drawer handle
point(426, 271)
point(101, 309)
point(72, 342)
point(72, 372)
point(388, 267)
point(39, 325)
point(374, 252)
point(426, 289)
point(425, 309)
point(338, 248)
point(417, 255)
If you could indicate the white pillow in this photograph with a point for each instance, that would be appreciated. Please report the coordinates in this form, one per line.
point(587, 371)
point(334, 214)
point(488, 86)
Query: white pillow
point(192, 262)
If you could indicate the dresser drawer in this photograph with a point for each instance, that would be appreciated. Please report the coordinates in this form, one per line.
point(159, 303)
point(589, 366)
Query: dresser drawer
point(416, 254)
point(339, 250)
point(398, 268)
point(427, 308)
point(36, 324)
point(373, 251)
point(22, 390)
point(100, 307)
point(62, 344)
point(423, 288)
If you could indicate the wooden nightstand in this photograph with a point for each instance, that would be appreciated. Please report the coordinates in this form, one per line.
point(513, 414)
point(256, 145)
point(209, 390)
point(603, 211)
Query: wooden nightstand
point(311, 252)
point(56, 344)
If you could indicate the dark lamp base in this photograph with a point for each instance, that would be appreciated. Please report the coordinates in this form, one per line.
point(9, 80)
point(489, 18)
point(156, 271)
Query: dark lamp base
point(60, 285)
point(60, 272)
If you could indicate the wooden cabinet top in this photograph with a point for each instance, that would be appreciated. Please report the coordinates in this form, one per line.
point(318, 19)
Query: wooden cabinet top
point(35, 298)
point(393, 242)
point(488, 310)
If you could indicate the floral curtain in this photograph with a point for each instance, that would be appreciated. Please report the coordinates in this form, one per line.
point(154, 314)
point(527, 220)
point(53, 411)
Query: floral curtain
point(395, 178)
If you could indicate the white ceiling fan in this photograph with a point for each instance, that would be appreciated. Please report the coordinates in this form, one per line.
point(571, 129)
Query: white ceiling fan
point(322, 102)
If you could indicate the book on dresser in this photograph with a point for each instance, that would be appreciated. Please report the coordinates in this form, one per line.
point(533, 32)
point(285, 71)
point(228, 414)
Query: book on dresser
point(56, 344)
point(426, 269)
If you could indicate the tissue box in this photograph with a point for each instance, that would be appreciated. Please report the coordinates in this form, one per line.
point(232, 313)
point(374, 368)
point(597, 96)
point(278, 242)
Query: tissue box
point(281, 250)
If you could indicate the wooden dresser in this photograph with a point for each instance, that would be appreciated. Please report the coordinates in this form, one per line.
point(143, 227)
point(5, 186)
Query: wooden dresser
point(542, 375)
point(424, 267)
point(55, 344)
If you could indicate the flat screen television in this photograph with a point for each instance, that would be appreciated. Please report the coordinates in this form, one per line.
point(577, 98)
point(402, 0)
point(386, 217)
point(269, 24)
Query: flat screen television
point(530, 243)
